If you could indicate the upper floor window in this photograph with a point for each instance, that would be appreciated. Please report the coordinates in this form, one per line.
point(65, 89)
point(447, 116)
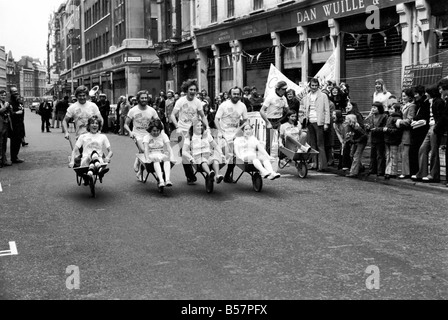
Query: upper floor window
point(230, 8)
point(214, 10)
point(258, 4)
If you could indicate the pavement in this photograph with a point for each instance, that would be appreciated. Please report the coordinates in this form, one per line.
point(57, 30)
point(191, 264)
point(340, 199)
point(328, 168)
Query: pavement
point(404, 183)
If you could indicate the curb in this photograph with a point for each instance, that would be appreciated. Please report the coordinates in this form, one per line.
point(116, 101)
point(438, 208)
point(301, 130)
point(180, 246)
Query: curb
point(437, 187)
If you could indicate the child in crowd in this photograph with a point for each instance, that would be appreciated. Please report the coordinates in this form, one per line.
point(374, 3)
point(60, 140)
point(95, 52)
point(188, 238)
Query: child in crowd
point(359, 138)
point(158, 150)
point(392, 139)
point(92, 144)
point(375, 124)
point(338, 126)
point(248, 149)
point(202, 150)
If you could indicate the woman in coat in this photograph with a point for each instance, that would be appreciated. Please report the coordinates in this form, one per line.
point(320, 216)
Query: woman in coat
point(408, 111)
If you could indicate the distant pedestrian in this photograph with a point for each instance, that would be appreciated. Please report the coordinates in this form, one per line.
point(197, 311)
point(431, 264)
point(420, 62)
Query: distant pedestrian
point(45, 112)
point(392, 139)
point(104, 106)
point(18, 125)
point(5, 127)
point(61, 110)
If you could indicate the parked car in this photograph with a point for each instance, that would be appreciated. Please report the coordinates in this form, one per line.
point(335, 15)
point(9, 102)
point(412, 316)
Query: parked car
point(34, 106)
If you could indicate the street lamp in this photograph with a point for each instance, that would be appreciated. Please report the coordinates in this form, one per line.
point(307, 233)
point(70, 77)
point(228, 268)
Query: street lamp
point(151, 63)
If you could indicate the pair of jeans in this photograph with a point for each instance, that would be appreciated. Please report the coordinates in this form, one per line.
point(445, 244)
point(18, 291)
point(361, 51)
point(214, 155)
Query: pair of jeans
point(45, 123)
point(357, 157)
point(391, 160)
point(316, 140)
point(3, 142)
point(431, 143)
point(405, 165)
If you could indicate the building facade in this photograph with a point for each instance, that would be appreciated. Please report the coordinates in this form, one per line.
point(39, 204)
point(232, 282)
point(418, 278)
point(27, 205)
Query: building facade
point(234, 43)
point(110, 44)
point(2, 68)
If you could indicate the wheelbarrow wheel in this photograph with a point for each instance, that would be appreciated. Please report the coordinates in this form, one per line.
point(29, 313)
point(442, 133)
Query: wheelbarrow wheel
point(209, 185)
point(92, 186)
point(302, 169)
point(257, 182)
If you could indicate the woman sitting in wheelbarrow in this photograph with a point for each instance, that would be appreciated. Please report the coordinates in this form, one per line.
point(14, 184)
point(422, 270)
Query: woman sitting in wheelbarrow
point(158, 150)
point(92, 144)
point(201, 149)
point(249, 149)
point(291, 134)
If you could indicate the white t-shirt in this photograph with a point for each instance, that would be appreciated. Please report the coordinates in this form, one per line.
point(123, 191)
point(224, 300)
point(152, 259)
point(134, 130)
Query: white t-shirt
point(156, 144)
point(199, 145)
point(229, 116)
point(246, 148)
point(142, 119)
point(275, 106)
point(92, 142)
point(188, 112)
point(80, 114)
point(288, 129)
point(381, 97)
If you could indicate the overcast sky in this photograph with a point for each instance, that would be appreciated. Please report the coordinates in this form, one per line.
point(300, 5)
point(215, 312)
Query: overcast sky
point(24, 26)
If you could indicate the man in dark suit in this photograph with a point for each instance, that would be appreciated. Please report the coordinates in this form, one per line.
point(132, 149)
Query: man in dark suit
point(104, 106)
point(18, 126)
point(5, 128)
point(45, 111)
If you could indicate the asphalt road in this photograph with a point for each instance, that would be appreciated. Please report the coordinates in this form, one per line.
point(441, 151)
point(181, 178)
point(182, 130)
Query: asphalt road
point(297, 239)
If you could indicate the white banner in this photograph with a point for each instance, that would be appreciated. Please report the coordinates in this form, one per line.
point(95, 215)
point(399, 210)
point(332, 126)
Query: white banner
point(275, 76)
point(328, 70)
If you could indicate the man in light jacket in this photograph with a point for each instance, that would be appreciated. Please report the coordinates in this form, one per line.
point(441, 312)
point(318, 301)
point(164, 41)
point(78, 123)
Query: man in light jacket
point(317, 118)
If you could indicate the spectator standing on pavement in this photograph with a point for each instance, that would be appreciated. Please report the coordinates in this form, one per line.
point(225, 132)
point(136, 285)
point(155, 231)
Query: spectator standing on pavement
point(5, 128)
point(80, 112)
point(206, 97)
point(338, 127)
point(392, 139)
point(169, 106)
point(18, 126)
point(420, 127)
point(187, 110)
point(317, 117)
point(293, 102)
point(443, 90)
point(381, 94)
point(121, 102)
point(229, 117)
point(255, 99)
point(104, 107)
point(61, 110)
point(246, 99)
point(125, 107)
point(45, 112)
point(375, 125)
point(408, 110)
point(432, 140)
point(359, 137)
point(338, 98)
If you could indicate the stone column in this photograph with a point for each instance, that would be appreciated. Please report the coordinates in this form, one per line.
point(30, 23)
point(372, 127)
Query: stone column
point(216, 55)
point(275, 36)
point(133, 80)
point(405, 13)
point(238, 77)
point(427, 23)
point(202, 68)
point(303, 37)
point(337, 47)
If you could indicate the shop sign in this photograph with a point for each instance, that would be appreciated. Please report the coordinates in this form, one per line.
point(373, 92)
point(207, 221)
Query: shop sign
point(338, 9)
point(252, 30)
point(217, 37)
point(133, 59)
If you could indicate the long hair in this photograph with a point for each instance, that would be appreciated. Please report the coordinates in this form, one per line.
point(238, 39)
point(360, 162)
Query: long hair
point(92, 120)
point(187, 84)
point(204, 127)
point(383, 85)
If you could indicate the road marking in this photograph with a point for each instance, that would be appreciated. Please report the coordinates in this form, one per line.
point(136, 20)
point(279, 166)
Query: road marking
point(1, 190)
point(12, 250)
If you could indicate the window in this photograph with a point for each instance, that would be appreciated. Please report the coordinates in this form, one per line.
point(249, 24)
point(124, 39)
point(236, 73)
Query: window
point(230, 8)
point(214, 10)
point(258, 4)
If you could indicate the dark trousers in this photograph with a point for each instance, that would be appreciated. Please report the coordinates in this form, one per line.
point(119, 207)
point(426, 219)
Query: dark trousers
point(270, 133)
point(430, 144)
point(45, 123)
point(15, 144)
point(317, 142)
point(377, 158)
point(413, 153)
point(3, 142)
point(105, 122)
point(346, 155)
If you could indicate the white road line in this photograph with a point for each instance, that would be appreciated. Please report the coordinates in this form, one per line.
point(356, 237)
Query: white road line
point(12, 250)
point(1, 190)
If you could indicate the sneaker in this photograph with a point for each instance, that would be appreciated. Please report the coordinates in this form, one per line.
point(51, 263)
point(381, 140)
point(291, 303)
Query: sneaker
point(136, 165)
point(274, 176)
point(161, 184)
point(212, 175)
point(139, 176)
point(219, 179)
point(345, 169)
point(168, 184)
